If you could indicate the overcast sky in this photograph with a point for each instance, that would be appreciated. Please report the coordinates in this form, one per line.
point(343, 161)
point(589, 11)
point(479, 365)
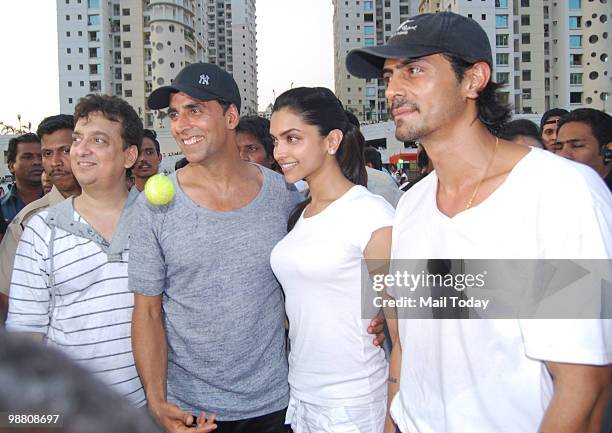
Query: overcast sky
point(295, 47)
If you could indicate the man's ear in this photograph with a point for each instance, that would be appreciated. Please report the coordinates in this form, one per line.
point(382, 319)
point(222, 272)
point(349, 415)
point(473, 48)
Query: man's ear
point(11, 167)
point(131, 155)
point(232, 117)
point(476, 79)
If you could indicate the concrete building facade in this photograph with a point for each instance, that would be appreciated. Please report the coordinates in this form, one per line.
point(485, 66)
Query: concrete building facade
point(548, 53)
point(359, 23)
point(130, 47)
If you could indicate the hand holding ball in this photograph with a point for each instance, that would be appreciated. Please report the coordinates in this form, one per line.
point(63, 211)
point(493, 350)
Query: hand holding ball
point(159, 190)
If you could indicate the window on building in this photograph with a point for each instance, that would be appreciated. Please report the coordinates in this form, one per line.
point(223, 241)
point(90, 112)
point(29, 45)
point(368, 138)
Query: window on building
point(93, 4)
point(368, 30)
point(367, 6)
point(525, 38)
point(501, 21)
point(67, 34)
point(127, 60)
point(80, 67)
point(575, 4)
point(387, 27)
point(369, 41)
point(502, 77)
point(501, 40)
point(575, 41)
point(387, 15)
point(525, 20)
point(80, 33)
point(94, 53)
point(127, 44)
point(128, 93)
point(69, 83)
point(526, 75)
point(93, 20)
point(126, 28)
point(575, 22)
point(67, 17)
point(525, 3)
point(501, 58)
point(526, 56)
point(370, 92)
point(94, 36)
point(79, 17)
point(483, 17)
point(503, 4)
point(82, 83)
point(68, 50)
point(576, 78)
point(80, 50)
point(125, 12)
point(575, 97)
point(95, 86)
point(526, 94)
point(70, 100)
point(94, 69)
point(575, 59)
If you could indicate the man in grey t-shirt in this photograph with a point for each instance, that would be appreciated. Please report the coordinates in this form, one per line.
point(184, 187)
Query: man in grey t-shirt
point(204, 260)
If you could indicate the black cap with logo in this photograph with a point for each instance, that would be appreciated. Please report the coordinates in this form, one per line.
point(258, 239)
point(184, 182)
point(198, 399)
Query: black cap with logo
point(424, 35)
point(203, 81)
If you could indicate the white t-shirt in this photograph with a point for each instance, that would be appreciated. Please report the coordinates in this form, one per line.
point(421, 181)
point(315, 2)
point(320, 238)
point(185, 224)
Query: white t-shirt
point(489, 375)
point(332, 360)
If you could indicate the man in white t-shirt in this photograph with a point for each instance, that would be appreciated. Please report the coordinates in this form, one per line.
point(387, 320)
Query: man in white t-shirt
point(486, 200)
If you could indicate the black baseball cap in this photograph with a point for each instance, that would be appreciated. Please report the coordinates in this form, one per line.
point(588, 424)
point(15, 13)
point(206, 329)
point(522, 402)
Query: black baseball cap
point(424, 35)
point(203, 81)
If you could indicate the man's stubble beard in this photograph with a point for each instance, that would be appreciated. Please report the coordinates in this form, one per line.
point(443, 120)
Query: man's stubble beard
point(443, 115)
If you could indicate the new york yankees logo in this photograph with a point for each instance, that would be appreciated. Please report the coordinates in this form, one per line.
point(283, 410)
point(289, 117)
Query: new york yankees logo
point(204, 79)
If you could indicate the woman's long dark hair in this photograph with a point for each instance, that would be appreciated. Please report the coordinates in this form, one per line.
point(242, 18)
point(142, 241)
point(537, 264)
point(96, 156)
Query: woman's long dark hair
point(318, 106)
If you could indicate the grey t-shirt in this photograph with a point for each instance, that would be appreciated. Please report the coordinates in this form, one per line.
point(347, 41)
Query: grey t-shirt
point(223, 308)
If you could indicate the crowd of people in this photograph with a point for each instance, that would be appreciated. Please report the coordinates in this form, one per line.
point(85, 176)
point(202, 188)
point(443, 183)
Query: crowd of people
point(236, 306)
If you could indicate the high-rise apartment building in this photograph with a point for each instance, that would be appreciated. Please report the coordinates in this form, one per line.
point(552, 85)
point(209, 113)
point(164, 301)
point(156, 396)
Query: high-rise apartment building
point(130, 47)
point(359, 23)
point(549, 53)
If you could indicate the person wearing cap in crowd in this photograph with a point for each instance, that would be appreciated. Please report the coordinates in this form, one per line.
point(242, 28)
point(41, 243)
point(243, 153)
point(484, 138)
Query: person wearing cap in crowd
point(24, 162)
point(149, 158)
point(522, 131)
point(548, 127)
point(219, 346)
point(481, 201)
point(70, 276)
point(585, 135)
point(55, 134)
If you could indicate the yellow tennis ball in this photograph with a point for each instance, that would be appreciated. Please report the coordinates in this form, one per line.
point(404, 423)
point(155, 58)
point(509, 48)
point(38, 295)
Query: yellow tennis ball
point(159, 190)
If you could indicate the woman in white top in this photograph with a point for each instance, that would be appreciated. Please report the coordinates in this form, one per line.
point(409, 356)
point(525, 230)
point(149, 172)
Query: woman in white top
point(337, 377)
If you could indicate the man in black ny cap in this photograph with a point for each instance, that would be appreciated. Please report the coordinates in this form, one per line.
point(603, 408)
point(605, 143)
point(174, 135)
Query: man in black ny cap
point(204, 260)
point(484, 201)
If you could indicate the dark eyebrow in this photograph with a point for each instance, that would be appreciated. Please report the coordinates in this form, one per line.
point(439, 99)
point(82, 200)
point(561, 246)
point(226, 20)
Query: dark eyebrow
point(569, 141)
point(188, 106)
point(400, 65)
point(289, 130)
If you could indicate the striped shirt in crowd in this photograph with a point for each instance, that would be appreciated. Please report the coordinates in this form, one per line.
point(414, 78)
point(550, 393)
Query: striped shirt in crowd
point(92, 312)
